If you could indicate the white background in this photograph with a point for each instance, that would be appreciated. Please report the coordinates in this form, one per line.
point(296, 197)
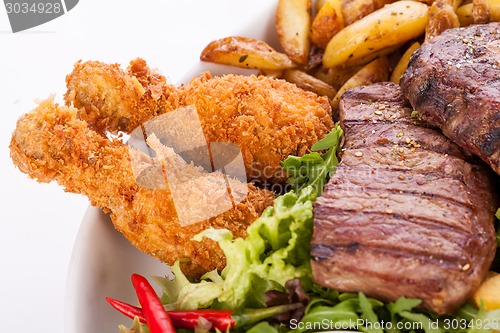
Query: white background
point(39, 222)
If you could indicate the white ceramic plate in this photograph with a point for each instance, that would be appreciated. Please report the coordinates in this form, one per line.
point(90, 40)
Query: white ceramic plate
point(103, 260)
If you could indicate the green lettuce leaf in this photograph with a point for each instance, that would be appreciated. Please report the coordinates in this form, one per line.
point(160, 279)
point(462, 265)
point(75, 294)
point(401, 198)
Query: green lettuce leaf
point(368, 314)
point(426, 323)
point(314, 169)
point(263, 327)
point(485, 321)
point(180, 294)
point(402, 304)
point(137, 327)
point(276, 250)
point(344, 314)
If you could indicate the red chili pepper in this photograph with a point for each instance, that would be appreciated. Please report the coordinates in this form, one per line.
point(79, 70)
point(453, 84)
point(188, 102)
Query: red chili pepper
point(220, 319)
point(157, 318)
point(127, 309)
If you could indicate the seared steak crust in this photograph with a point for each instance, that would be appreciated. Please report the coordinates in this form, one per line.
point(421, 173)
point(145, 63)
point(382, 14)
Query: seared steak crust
point(453, 81)
point(407, 212)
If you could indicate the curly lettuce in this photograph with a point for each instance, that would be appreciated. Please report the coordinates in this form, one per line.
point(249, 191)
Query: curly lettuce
point(276, 250)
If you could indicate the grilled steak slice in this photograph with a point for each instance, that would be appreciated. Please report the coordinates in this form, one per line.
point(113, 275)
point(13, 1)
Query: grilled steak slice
point(453, 81)
point(407, 213)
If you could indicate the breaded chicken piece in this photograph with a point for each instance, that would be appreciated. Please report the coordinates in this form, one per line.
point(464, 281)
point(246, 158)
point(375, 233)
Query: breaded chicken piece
point(269, 119)
point(52, 143)
point(111, 99)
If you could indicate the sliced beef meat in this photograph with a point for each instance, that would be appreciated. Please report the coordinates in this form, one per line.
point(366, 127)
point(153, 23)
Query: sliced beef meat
point(453, 81)
point(407, 213)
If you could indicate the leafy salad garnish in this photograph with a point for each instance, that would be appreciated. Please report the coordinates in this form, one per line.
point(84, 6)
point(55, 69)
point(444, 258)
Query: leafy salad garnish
point(314, 169)
point(276, 251)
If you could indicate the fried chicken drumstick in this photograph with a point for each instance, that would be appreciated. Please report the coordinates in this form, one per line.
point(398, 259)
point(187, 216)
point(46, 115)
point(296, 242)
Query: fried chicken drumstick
point(267, 119)
point(51, 143)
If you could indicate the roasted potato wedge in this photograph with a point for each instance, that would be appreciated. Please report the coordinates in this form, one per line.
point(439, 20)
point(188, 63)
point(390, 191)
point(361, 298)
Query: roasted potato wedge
point(275, 74)
point(391, 25)
point(480, 12)
point(319, 4)
point(402, 64)
point(428, 2)
point(442, 16)
point(455, 3)
point(489, 293)
point(361, 61)
point(309, 82)
point(336, 76)
point(467, 15)
point(327, 23)
point(246, 53)
point(353, 10)
point(293, 23)
point(464, 14)
point(375, 71)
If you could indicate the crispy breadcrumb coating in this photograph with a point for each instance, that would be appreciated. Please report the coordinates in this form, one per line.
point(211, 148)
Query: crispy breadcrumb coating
point(269, 119)
point(111, 99)
point(52, 143)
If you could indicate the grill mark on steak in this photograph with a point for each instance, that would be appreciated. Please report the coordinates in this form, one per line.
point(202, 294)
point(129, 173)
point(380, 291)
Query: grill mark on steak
point(405, 170)
point(402, 217)
point(426, 184)
point(421, 256)
point(437, 210)
point(393, 134)
point(374, 191)
point(403, 158)
point(453, 81)
point(388, 232)
point(372, 280)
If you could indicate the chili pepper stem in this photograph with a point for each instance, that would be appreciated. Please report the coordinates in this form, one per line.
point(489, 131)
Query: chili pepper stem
point(255, 315)
point(220, 319)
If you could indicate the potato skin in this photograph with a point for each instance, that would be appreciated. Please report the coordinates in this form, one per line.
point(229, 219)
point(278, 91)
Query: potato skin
point(442, 16)
point(308, 82)
point(293, 24)
point(375, 71)
point(389, 26)
point(327, 23)
point(467, 15)
point(403, 62)
point(246, 53)
point(353, 10)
